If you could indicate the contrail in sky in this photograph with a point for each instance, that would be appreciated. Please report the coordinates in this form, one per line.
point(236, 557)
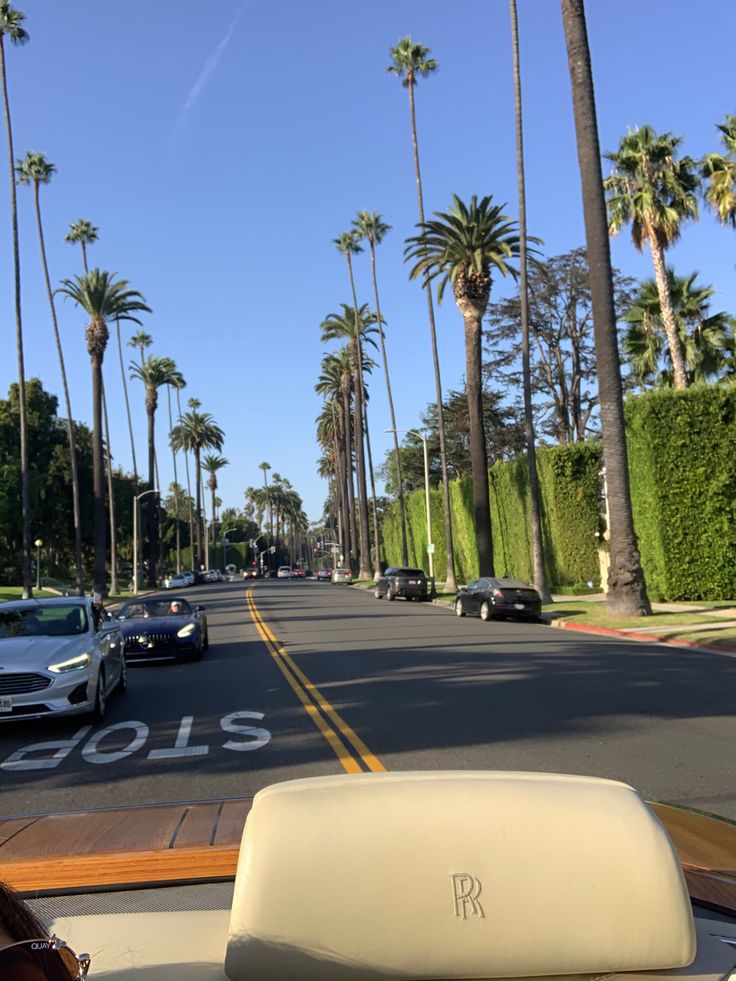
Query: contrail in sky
point(210, 66)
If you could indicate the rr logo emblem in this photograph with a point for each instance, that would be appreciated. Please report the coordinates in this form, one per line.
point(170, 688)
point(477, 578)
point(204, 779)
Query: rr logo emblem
point(465, 891)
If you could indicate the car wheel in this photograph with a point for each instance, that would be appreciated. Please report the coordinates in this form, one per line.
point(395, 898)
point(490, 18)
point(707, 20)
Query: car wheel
point(377, 593)
point(459, 608)
point(98, 712)
point(122, 685)
point(485, 611)
point(390, 594)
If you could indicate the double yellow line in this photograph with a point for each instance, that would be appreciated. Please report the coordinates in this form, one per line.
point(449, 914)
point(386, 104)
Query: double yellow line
point(347, 745)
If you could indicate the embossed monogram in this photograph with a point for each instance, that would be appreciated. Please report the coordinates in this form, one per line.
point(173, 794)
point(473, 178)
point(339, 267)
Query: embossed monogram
point(465, 892)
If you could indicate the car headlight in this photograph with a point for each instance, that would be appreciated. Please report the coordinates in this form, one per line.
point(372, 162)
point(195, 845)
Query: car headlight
point(187, 631)
point(73, 664)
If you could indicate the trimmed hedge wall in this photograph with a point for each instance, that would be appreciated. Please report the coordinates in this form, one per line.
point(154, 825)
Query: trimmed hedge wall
point(682, 462)
point(569, 483)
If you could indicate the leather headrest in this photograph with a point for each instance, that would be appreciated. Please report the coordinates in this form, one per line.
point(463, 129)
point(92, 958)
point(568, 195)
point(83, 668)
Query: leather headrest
point(455, 875)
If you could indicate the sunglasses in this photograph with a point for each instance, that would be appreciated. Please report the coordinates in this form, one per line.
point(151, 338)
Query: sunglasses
point(54, 957)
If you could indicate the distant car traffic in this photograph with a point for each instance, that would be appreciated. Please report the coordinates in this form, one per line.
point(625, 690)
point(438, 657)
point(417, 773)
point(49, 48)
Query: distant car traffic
point(342, 576)
point(179, 580)
point(402, 581)
point(489, 598)
point(324, 575)
point(284, 572)
point(60, 656)
point(250, 572)
point(163, 628)
point(298, 574)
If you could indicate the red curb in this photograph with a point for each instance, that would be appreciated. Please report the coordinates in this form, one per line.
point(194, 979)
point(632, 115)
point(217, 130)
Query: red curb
point(630, 635)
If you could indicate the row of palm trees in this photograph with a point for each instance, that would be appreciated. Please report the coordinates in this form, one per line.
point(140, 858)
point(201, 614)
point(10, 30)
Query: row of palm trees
point(281, 507)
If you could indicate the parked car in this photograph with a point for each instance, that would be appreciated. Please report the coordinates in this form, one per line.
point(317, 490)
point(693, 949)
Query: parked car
point(489, 598)
point(402, 581)
point(60, 656)
point(163, 628)
point(342, 576)
point(284, 572)
point(178, 580)
point(324, 575)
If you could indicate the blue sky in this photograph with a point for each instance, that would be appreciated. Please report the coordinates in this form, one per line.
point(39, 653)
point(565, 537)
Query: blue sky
point(220, 148)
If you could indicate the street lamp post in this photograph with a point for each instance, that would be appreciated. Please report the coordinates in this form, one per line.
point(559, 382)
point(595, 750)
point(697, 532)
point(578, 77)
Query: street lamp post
point(39, 544)
point(258, 555)
point(430, 543)
point(154, 490)
point(225, 544)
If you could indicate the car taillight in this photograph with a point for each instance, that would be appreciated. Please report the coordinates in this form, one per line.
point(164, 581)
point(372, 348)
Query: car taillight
point(498, 594)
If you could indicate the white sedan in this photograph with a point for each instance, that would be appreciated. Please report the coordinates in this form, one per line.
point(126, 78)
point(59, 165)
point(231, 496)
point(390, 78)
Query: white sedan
point(58, 657)
point(179, 580)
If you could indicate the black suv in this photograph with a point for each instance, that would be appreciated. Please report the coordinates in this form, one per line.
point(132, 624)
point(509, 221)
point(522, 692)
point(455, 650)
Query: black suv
point(402, 581)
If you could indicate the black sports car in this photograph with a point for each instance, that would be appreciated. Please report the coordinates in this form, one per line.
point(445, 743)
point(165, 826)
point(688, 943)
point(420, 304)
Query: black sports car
point(156, 628)
point(491, 598)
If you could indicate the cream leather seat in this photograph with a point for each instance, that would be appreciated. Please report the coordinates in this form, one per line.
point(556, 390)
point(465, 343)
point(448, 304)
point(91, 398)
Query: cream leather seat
point(449, 875)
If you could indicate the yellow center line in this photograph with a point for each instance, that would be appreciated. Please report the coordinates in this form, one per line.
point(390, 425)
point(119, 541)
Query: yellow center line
point(315, 703)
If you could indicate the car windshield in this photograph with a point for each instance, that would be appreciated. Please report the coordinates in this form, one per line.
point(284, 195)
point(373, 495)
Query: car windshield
point(63, 620)
point(145, 609)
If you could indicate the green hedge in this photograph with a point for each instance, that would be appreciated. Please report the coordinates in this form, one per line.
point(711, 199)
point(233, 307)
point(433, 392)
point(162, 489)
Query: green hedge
point(682, 462)
point(569, 485)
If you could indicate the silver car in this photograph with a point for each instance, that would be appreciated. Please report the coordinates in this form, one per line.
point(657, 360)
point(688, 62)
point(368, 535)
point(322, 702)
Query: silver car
point(58, 657)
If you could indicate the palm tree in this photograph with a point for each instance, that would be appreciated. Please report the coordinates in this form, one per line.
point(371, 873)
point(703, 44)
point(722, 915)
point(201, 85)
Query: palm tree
point(336, 383)
point(354, 326)
point(195, 432)
point(349, 244)
point(211, 463)
point(265, 466)
point(706, 337)
point(627, 595)
point(36, 170)
point(141, 340)
point(410, 62)
point(179, 386)
point(462, 248)
point(11, 26)
point(654, 192)
point(540, 576)
point(720, 172)
point(373, 229)
point(154, 373)
point(85, 233)
point(103, 299)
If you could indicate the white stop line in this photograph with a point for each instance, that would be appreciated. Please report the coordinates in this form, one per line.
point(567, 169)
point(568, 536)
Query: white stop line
point(51, 753)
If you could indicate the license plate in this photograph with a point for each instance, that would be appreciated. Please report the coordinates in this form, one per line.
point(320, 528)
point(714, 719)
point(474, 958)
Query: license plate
point(6, 704)
point(519, 606)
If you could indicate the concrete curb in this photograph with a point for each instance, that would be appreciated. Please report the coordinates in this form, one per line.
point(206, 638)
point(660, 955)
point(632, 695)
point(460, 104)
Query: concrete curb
point(641, 638)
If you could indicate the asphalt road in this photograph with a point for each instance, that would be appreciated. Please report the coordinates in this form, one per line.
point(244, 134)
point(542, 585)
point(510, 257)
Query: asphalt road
point(306, 678)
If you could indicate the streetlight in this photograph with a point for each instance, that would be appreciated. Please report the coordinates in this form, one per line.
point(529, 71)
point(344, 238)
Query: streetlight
point(153, 490)
point(38, 543)
point(224, 546)
point(430, 543)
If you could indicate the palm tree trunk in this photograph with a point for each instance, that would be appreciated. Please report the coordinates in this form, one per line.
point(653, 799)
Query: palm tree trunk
point(127, 402)
point(25, 498)
point(478, 453)
point(374, 506)
point(76, 509)
point(213, 490)
point(450, 580)
point(351, 489)
point(152, 505)
point(176, 483)
point(198, 508)
point(540, 576)
point(627, 595)
point(114, 587)
point(399, 476)
point(189, 488)
point(669, 323)
point(99, 573)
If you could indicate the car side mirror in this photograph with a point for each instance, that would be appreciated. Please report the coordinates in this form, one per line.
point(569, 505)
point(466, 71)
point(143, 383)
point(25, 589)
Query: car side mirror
point(200, 609)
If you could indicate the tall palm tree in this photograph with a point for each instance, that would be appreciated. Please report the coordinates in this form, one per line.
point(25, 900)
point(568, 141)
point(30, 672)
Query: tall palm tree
point(719, 169)
point(355, 326)
point(349, 244)
point(11, 27)
point(179, 387)
point(103, 299)
point(706, 337)
point(373, 229)
point(627, 594)
point(336, 383)
point(540, 576)
point(463, 248)
point(155, 372)
point(265, 466)
point(655, 192)
point(85, 233)
point(195, 432)
point(410, 62)
point(179, 382)
point(212, 463)
point(35, 170)
point(141, 340)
